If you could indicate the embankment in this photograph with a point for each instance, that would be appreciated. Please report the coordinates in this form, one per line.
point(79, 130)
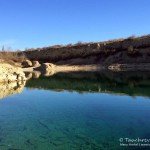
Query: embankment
point(122, 51)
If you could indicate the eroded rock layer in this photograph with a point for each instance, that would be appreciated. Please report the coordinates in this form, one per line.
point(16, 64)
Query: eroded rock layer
point(9, 73)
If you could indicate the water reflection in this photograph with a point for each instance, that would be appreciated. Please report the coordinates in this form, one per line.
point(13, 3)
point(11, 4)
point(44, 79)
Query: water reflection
point(44, 119)
point(7, 89)
point(130, 83)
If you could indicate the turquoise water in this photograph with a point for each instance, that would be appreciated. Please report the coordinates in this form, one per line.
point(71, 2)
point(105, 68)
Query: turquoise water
point(46, 119)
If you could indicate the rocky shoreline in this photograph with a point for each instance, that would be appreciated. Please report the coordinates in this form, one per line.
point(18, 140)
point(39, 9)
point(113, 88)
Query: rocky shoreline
point(130, 54)
point(9, 73)
point(49, 69)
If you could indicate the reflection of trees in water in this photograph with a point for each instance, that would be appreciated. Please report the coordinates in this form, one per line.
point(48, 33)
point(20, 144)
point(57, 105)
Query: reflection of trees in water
point(7, 89)
point(131, 83)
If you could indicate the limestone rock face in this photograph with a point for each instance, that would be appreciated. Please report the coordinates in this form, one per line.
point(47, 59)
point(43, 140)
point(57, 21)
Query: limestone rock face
point(36, 74)
point(26, 63)
point(35, 64)
point(28, 75)
point(46, 67)
point(9, 73)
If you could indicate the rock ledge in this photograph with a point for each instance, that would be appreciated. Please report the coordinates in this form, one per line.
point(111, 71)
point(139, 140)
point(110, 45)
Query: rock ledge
point(9, 73)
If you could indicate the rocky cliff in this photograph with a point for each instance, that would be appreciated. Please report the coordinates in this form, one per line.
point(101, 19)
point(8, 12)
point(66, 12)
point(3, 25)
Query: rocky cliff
point(9, 73)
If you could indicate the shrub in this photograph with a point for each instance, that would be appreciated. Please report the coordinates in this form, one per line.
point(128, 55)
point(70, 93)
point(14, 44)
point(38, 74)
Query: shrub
point(131, 37)
point(132, 51)
point(78, 43)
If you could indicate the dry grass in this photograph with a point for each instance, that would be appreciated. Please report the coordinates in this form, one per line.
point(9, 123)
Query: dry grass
point(13, 58)
point(98, 50)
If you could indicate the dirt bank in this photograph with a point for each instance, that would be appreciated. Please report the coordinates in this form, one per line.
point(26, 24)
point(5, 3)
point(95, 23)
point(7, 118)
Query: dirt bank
point(129, 50)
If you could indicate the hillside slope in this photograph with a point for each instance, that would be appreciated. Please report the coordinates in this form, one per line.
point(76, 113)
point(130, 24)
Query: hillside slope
point(130, 50)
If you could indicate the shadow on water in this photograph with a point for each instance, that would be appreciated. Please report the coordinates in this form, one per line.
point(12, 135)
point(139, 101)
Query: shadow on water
point(130, 83)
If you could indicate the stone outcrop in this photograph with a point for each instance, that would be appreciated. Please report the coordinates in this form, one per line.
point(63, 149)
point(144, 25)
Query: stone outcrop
point(35, 64)
point(46, 67)
point(33, 74)
point(26, 63)
point(28, 75)
point(9, 73)
point(36, 74)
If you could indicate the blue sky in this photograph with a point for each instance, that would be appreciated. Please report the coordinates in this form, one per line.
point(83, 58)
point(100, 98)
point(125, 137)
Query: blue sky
point(39, 23)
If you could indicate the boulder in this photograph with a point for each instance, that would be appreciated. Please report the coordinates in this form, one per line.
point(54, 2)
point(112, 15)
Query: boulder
point(36, 74)
point(26, 63)
point(35, 64)
point(46, 67)
point(28, 75)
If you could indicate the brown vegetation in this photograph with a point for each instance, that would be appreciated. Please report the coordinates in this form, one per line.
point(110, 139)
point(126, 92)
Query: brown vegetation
point(129, 50)
point(13, 58)
point(132, 50)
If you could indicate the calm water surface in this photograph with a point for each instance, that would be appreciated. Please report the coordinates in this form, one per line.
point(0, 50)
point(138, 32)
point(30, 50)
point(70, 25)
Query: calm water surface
point(72, 112)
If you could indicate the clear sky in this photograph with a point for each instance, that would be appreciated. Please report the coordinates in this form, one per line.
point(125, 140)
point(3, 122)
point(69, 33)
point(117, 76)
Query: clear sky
point(39, 23)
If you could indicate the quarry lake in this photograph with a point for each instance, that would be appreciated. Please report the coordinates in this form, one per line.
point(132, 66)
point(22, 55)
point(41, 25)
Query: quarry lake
point(76, 111)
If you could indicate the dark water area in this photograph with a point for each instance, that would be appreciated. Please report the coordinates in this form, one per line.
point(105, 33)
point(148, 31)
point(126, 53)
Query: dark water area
point(77, 111)
point(129, 83)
